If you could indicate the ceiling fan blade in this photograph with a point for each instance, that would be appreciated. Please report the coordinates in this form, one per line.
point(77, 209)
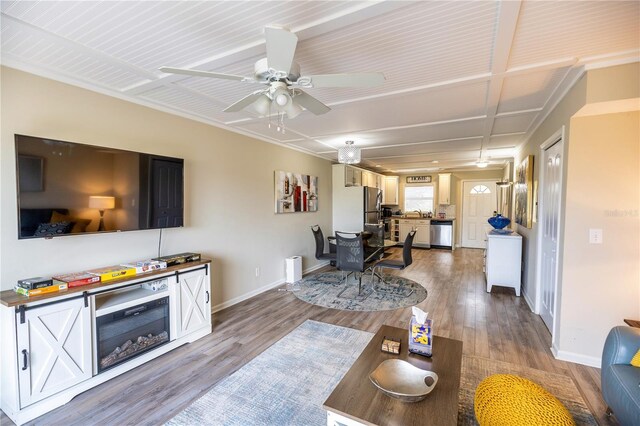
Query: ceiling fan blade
point(244, 102)
point(198, 73)
point(281, 46)
point(363, 79)
point(309, 102)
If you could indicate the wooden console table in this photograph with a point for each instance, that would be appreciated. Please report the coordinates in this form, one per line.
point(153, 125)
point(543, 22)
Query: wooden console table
point(356, 401)
point(44, 367)
point(632, 323)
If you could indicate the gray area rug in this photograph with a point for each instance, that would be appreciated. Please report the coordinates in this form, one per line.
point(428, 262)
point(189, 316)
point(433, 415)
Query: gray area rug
point(286, 384)
point(327, 289)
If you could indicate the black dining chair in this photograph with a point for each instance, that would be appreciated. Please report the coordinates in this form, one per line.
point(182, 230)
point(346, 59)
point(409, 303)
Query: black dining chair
point(320, 254)
point(351, 256)
point(397, 264)
point(377, 231)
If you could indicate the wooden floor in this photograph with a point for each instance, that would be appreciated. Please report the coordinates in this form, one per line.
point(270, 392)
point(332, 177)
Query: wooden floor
point(495, 325)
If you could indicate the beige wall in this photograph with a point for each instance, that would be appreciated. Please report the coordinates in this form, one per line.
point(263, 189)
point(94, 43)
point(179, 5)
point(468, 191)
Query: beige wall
point(229, 189)
point(601, 282)
point(619, 82)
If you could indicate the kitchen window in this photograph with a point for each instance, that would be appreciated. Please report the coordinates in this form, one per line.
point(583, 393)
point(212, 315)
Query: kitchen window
point(418, 198)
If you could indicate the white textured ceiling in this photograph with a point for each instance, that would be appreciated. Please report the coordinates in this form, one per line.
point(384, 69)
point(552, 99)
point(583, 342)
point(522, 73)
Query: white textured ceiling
point(463, 79)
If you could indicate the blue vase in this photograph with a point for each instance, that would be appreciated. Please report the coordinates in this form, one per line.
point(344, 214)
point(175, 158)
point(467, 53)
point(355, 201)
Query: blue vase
point(499, 221)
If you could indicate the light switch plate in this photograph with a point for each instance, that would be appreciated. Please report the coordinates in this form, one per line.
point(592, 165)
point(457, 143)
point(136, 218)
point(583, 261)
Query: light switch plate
point(595, 236)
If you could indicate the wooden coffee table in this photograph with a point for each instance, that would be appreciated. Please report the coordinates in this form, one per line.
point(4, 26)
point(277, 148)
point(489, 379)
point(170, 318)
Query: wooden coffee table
point(356, 401)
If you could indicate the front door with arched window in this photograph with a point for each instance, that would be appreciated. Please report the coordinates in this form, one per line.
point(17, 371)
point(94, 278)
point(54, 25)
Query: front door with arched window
point(479, 201)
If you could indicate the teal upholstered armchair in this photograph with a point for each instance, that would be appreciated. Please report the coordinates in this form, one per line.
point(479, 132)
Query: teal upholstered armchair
point(621, 380)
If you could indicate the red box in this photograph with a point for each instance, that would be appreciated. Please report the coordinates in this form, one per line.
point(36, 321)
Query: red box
point(77, 279)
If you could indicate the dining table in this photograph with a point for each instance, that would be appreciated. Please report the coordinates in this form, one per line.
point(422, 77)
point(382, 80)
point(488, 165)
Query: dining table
point(372, 246)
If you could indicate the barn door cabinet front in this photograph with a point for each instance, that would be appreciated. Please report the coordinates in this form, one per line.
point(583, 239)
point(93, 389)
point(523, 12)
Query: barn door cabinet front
point(54, 349)
point(192, 301)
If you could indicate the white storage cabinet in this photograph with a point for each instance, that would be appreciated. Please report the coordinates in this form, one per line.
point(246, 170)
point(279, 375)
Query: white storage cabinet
point(48, 346)
point(54, 349)
point(503, 259)
point(192, 300)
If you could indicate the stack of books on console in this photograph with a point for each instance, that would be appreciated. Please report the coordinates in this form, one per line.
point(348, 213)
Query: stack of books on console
point(76, 279)
point(147, 265)
point(177, 259)
point(38, 285)
point(109, 273)
point(43, 285)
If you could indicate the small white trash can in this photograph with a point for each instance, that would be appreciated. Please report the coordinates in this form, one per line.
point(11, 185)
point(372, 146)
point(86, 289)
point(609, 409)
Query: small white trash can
point(294, 269)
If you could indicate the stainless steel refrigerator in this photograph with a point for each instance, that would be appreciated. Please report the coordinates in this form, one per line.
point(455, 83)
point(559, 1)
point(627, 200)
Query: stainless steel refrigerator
point(372, 205)
point(354, 206)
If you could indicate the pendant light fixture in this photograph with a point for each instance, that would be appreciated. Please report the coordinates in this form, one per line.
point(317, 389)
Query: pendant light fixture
point(349, 154)
point(482, 163)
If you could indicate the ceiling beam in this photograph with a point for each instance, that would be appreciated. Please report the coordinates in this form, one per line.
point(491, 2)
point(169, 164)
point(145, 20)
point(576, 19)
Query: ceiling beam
point(506, 29)
point(357, 13)
point(77, 47)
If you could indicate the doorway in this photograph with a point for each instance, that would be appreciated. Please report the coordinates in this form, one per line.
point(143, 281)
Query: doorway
point(479, 201)
point(550, 222)
point(166, 200)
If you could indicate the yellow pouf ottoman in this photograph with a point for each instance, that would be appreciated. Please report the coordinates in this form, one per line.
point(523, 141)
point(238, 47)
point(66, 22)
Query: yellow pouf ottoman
point(505, 399)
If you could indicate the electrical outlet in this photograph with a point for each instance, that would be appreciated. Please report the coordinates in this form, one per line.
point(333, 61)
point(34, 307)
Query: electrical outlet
point(257, 271)
point(595, 236)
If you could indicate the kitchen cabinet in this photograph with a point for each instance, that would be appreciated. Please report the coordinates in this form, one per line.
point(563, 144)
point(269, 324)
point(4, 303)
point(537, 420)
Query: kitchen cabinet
point(503, 260)
point(371, 179)
point(390, 192)
point(423, 233)
point(368, 179)
point(192, 302)
point(353, 176)
point(444, 189)
point(404, 227)
point(54, 349)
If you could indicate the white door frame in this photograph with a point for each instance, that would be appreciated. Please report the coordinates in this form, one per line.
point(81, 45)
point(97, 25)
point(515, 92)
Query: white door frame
point(461, 197)
point(557, 137)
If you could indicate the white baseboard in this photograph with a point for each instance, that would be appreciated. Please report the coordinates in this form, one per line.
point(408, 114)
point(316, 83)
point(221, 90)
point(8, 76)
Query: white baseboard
point(590, 361)
point(529, 302)
point(259, 290)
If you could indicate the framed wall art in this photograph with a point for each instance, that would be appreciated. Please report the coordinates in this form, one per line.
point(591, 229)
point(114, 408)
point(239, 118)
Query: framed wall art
point(296, 192)
point(418, 179)
point(524, 192)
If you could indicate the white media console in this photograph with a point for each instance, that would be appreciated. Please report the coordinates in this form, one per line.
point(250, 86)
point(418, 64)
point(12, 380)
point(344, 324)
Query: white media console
point(58, 345)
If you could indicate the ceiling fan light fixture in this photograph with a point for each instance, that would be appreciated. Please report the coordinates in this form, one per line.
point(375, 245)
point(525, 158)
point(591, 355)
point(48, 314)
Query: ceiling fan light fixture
point(482, 163)
point(293, 110)
point(282, 99)
point(262, 105)
point(349, 154)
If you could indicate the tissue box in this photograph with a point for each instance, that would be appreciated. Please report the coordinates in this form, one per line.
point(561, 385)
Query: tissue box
point(420, 337)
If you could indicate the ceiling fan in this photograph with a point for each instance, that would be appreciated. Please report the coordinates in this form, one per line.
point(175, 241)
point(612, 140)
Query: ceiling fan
point(282, 77)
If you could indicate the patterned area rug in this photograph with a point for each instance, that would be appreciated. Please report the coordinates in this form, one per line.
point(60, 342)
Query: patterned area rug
point(266, 391)
point(328, 290)
point(286, 384)
point(475, 369)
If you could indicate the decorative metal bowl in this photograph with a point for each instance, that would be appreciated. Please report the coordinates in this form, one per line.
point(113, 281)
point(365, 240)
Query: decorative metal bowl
point(499, 221)
point(401, 380)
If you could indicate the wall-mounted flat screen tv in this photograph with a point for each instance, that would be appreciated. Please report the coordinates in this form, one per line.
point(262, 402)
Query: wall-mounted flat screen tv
point(67, 188)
